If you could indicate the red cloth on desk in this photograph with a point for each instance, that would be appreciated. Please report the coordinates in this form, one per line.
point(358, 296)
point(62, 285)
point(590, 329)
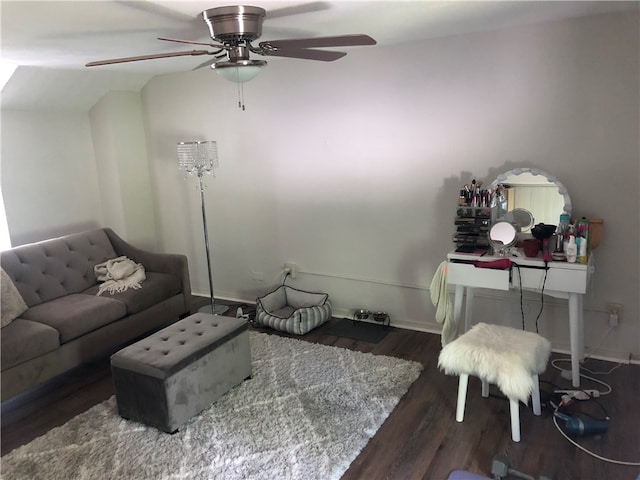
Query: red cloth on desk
point(501, 264)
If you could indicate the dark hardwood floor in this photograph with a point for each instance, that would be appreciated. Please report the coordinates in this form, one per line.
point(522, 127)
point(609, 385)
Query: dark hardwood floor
point(420, 439)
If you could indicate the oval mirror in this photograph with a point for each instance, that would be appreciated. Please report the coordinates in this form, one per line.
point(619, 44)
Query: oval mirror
point(521, 218)
point(534, 190)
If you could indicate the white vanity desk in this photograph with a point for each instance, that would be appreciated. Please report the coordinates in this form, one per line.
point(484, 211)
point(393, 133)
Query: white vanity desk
point(564, 280)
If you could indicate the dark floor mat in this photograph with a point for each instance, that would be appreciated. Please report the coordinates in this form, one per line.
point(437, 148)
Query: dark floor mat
point(363, 331)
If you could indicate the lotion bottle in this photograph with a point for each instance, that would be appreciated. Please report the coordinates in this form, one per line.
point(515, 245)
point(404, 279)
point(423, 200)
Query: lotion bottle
point(572, 250)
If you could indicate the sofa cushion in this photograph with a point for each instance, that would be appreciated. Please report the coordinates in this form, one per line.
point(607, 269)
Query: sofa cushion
point(12, 303)
point(54, 268)
point(77, 314)
point(23, 340)
point(154, 289)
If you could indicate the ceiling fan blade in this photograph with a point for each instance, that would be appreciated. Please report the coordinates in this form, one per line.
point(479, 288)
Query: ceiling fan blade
point(298, 9)
point(147, 57)
point(336, 41)
point(156, 9)
point(215, 45)
point(185, 24)
point(306, 54)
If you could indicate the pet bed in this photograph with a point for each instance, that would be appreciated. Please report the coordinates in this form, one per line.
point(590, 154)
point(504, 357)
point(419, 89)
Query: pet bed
point(293, 311)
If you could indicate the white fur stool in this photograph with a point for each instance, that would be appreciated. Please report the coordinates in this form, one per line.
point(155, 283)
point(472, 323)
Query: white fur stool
point(504, 356)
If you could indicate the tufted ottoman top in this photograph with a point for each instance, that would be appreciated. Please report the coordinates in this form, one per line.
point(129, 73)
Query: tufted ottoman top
point(173, 348)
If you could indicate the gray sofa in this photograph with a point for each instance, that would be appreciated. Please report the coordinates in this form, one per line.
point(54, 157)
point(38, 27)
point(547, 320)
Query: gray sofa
point(65, 323)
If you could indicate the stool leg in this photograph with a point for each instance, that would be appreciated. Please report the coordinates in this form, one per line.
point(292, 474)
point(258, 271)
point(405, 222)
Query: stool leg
point(535, 396)
point(485, 388)
point(514, 408)
point(462, 396)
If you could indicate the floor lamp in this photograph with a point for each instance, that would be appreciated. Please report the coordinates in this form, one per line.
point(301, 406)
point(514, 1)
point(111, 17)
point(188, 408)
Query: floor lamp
point(200, 159)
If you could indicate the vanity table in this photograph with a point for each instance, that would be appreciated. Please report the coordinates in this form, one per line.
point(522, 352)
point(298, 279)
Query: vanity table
point(529, 190)
point(564, 280)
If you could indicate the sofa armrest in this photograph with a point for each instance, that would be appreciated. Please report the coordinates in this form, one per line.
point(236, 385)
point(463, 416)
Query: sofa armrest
point(173, 263)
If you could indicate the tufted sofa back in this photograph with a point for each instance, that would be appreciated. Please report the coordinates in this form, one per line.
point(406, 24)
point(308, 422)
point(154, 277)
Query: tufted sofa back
point(54, 268)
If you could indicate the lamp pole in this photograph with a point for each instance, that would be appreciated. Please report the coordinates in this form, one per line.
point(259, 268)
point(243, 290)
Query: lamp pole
point(200, 158)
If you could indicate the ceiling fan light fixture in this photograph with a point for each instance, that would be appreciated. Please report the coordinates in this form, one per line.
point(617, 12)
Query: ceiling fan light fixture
point(239, 71)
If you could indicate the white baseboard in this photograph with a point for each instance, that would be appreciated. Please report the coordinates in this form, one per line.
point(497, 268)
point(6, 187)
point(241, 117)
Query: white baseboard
point(604, 355)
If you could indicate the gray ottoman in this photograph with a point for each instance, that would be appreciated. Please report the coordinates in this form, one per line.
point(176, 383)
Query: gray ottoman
point(168, 377)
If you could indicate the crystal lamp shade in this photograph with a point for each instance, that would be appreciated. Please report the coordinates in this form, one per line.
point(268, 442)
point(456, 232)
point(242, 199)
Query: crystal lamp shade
point(197, 158)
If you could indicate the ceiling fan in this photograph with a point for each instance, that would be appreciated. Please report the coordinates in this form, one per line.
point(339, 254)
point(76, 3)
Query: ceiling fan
point(235, 28)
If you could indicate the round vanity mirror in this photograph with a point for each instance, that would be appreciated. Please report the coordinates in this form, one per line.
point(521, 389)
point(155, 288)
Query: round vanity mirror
point(503, 233)
point(502, 236)
point(533, 190)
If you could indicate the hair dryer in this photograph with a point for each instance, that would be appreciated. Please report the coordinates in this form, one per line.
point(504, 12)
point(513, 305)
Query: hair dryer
point(577, 426)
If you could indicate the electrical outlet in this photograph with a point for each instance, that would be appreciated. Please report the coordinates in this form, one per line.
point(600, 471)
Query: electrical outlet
point(257, 276)
point(292, 268)
point(615, 313)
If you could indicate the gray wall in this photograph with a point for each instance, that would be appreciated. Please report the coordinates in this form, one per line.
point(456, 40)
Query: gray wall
point(352, 169)
point(126, 186)
point(49, 178)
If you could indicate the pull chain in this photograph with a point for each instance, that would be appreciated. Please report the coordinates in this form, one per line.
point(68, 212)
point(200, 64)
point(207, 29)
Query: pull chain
point(241, 96)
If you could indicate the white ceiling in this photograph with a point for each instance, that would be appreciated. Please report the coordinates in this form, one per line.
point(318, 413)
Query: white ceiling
point(64, 35)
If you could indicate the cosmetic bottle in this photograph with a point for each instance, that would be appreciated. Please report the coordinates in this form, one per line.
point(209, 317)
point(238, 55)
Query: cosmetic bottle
point(582, 252)
point(572, 250)
point(583, 227)
point(583, 233)
point(562, 232)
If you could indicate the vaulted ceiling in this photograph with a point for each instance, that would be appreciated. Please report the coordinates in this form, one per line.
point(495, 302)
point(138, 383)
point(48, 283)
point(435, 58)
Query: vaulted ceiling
point(51, 41)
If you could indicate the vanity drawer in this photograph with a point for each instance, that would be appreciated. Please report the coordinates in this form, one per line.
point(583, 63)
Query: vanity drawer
point(469, 276)
point(558, 279)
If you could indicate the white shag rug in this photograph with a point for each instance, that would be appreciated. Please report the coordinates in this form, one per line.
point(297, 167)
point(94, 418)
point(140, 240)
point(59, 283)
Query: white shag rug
point(305, 414)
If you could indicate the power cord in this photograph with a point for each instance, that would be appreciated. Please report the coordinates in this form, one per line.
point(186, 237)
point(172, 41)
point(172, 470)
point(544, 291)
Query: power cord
point(595, 455)
point(554, 364)
point(587, 397)
point(604, 337)
point(544, 282)
point(582, 375)
point(568, 401)
point(616, 366)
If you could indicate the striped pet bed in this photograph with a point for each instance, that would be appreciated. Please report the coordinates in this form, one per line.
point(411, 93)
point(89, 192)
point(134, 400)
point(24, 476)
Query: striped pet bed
point(293, 311)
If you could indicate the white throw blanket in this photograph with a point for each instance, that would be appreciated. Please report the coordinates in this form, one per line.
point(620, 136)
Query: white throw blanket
point(442, 302)
point(119, 274)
